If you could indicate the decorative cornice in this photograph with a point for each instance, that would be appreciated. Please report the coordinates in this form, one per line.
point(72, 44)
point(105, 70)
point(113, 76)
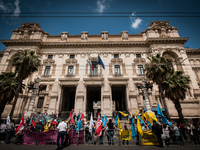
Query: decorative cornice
point(11, 42)
point(118, 79)
point(159, 40)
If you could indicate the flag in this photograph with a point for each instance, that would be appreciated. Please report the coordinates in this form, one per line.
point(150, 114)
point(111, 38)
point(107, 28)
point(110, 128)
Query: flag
point(141, 121)
point(8, 119)
point(71, 118)
point(31, 119)
point(82, 117)
point(124, 114)
point(53, 122)
point(139, 128)
point(133, 130)
point(91, 64)
point(153, 116)
point(159, 111)
point(33, 123)
point(142, 114)
point(149, 124)
point(91, 124)
point(98, 130)
point(21, 126)
point(104, 120)
point(148, 118)
point(100, 62)
point(79, 125)
point(116, 121)
point(165, 121)
point(119, 126)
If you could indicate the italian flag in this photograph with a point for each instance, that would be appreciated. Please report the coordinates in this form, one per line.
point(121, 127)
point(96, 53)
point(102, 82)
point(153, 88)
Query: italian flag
point(21, 126)
point(91, 64)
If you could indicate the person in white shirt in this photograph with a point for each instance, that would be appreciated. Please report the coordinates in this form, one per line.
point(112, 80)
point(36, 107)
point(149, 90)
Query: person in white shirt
point(62, 127)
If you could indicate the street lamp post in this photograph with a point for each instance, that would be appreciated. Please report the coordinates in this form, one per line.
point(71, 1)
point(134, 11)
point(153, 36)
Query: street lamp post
point(145, 87)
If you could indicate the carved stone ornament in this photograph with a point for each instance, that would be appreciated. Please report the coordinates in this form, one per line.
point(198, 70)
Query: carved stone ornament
point(117, 60)
point(48, 61)
point(124, 35)
point(71, 61)
point(84, 36)
point(64, 36)
point(139, 60)
point(104, 35)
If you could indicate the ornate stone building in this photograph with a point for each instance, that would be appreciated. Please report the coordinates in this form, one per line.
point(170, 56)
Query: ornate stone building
point(70, 83)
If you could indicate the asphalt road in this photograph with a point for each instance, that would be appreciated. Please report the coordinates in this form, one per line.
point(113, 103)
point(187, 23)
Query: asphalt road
point(95, 147)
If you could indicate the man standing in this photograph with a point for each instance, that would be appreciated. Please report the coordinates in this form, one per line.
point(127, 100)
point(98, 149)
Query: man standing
point(177, 134)
point(157, 129)
point(62, 127)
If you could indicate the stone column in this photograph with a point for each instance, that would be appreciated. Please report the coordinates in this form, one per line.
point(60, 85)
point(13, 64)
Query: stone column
point(146, 96)
point(32, 101)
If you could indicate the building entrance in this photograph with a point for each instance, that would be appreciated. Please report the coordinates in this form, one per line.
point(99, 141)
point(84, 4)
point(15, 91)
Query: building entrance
point(119, 97)
point(68, 100)
point(93, 100)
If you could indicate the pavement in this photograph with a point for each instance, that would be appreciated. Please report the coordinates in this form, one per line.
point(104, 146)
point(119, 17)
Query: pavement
point(12, 146)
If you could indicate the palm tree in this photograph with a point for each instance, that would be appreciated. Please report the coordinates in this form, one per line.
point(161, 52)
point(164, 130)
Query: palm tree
point(26, 63)
point(156, 70)
point(175, 86)
point(8, 84)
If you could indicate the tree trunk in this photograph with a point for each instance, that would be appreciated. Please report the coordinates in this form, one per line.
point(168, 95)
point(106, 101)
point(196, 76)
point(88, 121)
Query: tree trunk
point(2, 106)
point(179, 110)
point(164, 102)
point(16, 97)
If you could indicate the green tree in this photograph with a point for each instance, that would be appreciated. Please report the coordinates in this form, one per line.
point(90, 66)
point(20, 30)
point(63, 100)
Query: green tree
point(26, 63)
point(175, 86)
point(8, 85)
point(156, 70)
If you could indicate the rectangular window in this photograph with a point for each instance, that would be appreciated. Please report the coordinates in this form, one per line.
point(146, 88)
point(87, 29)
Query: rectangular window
point(117, 69)
point(138, 55)
point(47, 70)
point(72, 56)
point(50, 56)
point(70, 70)
point(40, 102)
point(95, 71)
point(116, 55)
point(140, 69)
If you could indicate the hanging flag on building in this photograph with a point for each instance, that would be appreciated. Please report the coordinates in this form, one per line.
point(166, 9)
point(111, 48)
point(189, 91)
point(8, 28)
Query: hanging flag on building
point(21, 125)
point(91, 64)
point(100, 62)
point(8, 119)
point(99, 130)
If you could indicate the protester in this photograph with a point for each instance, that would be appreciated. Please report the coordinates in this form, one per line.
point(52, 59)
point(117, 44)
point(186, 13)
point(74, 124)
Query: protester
point(3, 132)
point(95, 138)
point(165, 136)
point(101, 137)
point(177, 134)
point(125, 128)
point(62, 128)
point(157, 129)
point(9, 128)
point(111, 128)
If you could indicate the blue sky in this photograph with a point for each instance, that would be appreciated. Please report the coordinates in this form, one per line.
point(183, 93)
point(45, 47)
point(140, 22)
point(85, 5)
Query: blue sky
point(133, 22)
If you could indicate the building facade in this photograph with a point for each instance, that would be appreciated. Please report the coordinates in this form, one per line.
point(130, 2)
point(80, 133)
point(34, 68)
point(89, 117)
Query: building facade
point(71, 84)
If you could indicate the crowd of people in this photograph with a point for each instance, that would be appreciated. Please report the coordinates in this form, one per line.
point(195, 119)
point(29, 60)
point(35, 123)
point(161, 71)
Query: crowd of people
point(166, 134)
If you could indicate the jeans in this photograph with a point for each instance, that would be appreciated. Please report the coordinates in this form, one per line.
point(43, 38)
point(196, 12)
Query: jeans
point(159, 139)
point(60, 136)
point(110, 137)
point(8, 132)
point(101, 139)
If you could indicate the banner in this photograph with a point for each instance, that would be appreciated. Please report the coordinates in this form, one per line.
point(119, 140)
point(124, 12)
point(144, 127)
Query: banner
point(50, 137)
point(148, 138)
point(125, 135)
point(123, 114)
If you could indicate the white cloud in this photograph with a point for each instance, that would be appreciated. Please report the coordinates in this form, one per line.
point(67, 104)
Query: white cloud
point(17, 8)
point(135, 22)
point(102, 5)
point(3, 7)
